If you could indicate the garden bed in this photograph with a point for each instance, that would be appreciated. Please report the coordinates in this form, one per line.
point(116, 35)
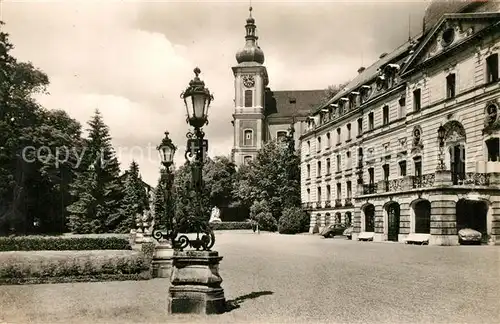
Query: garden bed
point(65, 242)
point(231, 226)
point(25, 267)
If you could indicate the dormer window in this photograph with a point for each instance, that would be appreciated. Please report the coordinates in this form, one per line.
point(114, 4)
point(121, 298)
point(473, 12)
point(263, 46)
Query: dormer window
point(381, 80)
point(365, 93)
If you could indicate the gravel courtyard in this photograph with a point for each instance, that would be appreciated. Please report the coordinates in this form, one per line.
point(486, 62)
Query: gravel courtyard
point(301, 278)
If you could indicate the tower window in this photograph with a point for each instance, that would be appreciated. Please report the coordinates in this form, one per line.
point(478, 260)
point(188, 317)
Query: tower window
point(247, 159)
point(248, 141)
point(492, 68)
point(248, 98)
point(417, 100)
point(450, 85)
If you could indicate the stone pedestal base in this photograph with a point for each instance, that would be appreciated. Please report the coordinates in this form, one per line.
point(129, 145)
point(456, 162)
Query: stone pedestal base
point(442, 178)
point(443, 240)
point(195, 283)
point(162, 260)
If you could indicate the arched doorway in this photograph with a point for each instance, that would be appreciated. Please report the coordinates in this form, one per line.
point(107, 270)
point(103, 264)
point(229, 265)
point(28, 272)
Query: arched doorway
point(422, 217)
point(369, 211)
point(338, 217)
point(327, 219)
point(393, 213)
point(472, 214)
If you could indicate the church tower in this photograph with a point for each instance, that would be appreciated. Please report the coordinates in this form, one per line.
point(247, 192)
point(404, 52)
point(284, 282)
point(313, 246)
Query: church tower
point(250, 81)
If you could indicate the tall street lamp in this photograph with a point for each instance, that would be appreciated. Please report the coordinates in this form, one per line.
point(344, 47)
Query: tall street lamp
point(195, 283)
point(441, 136)
point(167, 152)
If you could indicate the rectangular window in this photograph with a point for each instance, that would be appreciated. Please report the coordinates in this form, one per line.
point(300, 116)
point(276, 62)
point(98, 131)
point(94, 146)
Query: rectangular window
point(450, 85)
point(492, 68)
point(248, 137)
point(402, 106)
point(328, 140)
point(338, 136)
point(339, 190)
point(319, 194)
point(248, 98)
point(360, 126)
point(348, 131)
point(308, 147)
point(318, 172)
point(371, 176)
point(319, 144)
point(339, 163)
point(308, 194)
point(348, 160)
point(349, 189)
point(328, 192)
point(308, 171)
point(370, 121)
point(417, 100)
point(402, 168)
point(385, 115)
point(328, 166)
point(360, 157)
point(418, 168)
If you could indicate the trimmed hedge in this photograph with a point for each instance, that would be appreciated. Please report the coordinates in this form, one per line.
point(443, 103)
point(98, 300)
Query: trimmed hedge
point(71, 266)
point(61, 243)
point(231, 226)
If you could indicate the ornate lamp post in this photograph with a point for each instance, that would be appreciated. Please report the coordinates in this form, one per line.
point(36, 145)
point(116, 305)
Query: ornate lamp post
point(441, 134)
point(167, 152)
point(195, 281)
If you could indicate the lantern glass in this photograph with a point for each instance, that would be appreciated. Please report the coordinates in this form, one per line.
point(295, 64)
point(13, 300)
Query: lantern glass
point(198, 100)
point(167, 154)
point(441, 132)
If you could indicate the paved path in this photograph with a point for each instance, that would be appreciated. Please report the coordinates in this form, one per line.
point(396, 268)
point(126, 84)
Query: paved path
point(301, 278)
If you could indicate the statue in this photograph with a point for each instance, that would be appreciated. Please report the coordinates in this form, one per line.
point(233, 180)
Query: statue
point(215, 215)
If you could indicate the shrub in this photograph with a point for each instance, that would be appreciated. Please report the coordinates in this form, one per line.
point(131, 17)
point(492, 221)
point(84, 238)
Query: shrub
point(40, 243)
point(293, 220)
point(231, 226)
point(267, 222)
point(69, 266)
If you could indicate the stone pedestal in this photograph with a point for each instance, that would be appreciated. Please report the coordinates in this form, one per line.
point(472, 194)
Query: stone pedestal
point(196, 283)
point(162, 260)
point(442, 178)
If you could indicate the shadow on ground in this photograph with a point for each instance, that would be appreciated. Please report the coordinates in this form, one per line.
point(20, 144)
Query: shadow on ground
point(235, 303)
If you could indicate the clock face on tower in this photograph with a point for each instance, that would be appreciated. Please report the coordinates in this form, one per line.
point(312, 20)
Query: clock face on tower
point(248, 81)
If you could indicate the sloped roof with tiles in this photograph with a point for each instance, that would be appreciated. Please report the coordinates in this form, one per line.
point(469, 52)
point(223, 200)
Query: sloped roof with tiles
point(291, 103)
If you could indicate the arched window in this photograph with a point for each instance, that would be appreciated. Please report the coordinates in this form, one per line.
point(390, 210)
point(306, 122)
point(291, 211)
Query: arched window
point(247, 159)
point(281, 135)
point(423, 217)
point(348, 218)
point(248, 98)
point(248, 139)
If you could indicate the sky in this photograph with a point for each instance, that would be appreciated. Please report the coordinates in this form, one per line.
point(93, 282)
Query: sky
point(132, 59)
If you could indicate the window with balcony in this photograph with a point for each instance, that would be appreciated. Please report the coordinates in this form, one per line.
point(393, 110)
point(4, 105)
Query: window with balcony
point(385, 168)
point(371, 122)
point(308, 171)
point(360, 157)
point(492, 68)
point(348, 132)
point(402, 168)
point(349, 189)
point(417, 100)
point(328, 140)
point(371, 176)
point(493, 145)
point(318, 170)
point(450, 86)
point(328, 192)
point(385, 115)
point(418, 167)
point(348, 160)
point(339, 162)
point(319, 144)
point(360, 126)
point(338, 136)
point(339, 190)
point(328, 166)
point(248, 137)
point(248, 98)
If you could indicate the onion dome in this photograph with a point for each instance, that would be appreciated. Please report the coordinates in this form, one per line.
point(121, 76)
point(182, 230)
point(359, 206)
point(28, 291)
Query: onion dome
point(251, 52)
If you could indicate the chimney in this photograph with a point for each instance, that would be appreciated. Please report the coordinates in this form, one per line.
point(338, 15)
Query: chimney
point(361, 69)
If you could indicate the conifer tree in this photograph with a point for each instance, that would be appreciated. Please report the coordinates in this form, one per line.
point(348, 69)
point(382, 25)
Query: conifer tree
point(102, 165)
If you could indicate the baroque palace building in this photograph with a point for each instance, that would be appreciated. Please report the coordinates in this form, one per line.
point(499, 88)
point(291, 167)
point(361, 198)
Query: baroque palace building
point(410, 147)
point(260, 114)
